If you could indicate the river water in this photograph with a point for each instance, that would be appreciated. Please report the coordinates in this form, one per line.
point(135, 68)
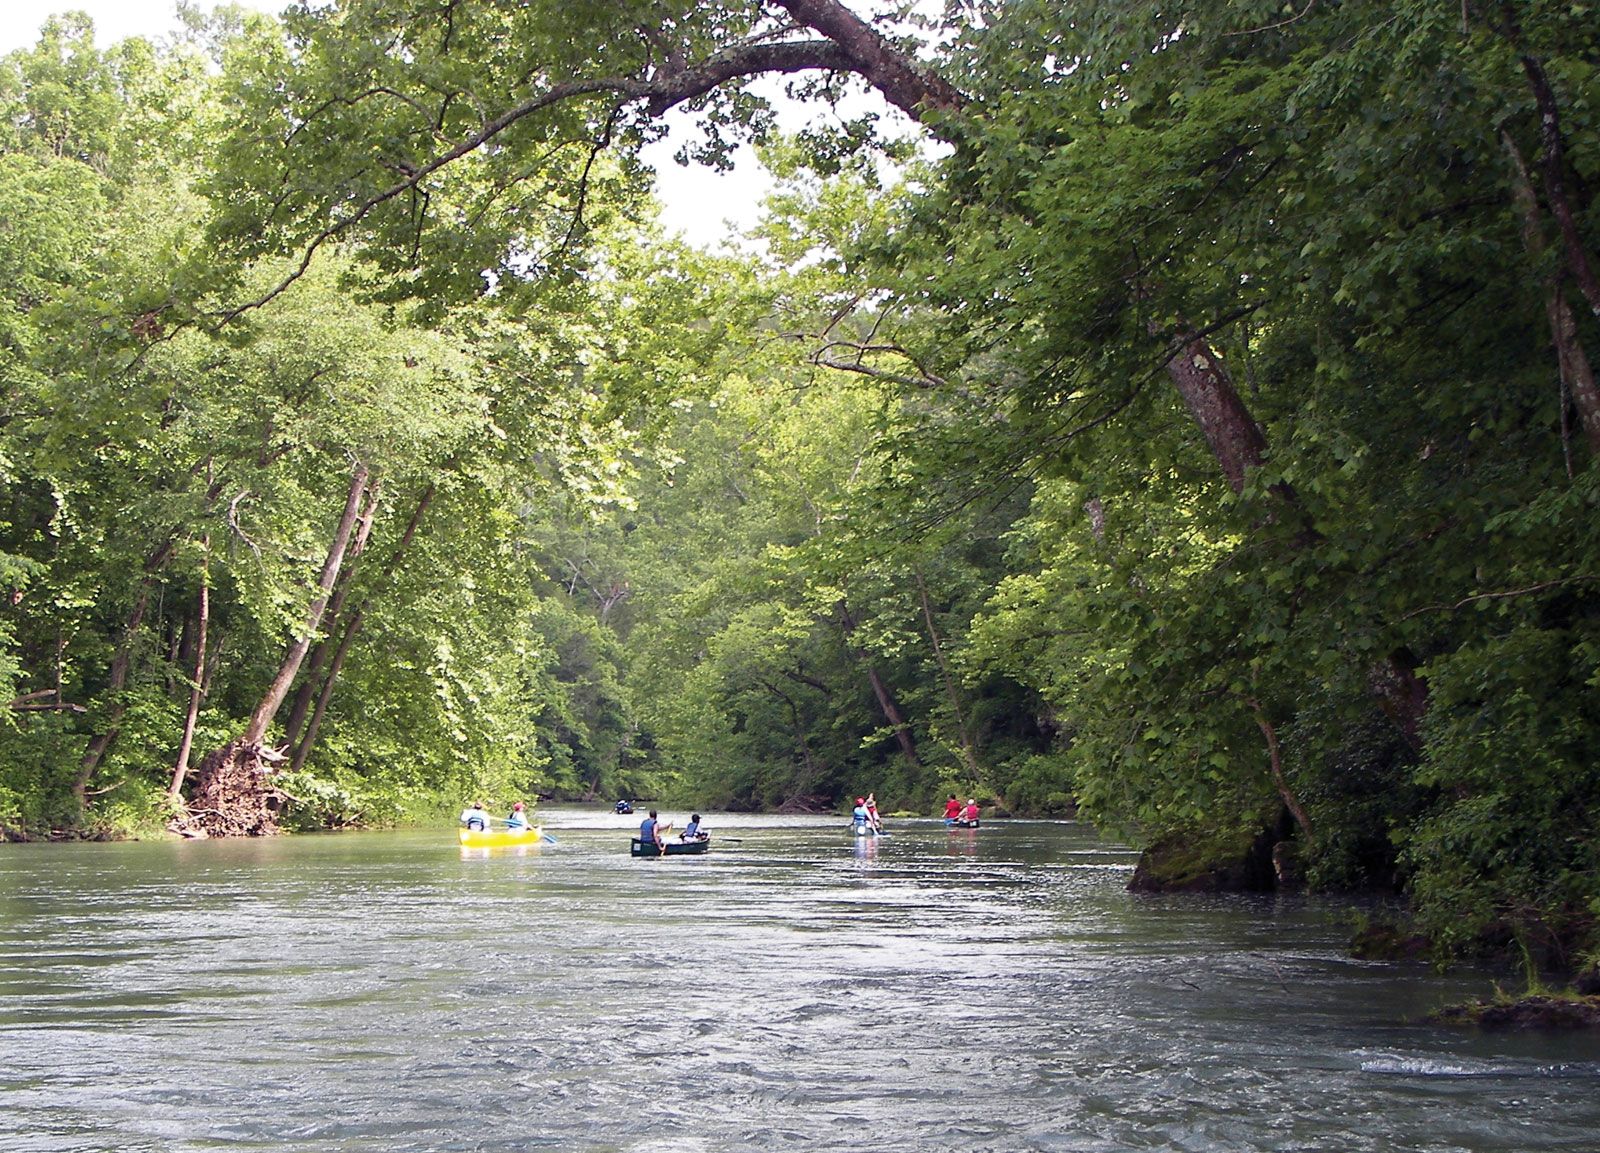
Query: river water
point(996, 989)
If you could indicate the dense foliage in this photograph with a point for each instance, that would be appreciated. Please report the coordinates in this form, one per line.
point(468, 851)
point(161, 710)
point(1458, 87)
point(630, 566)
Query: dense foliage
point(1205, 440)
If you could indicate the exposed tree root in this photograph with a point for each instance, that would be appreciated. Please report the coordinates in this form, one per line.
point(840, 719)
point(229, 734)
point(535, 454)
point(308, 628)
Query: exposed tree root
point(233, 795)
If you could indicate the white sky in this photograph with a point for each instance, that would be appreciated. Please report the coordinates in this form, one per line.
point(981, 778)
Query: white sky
point(703, 205)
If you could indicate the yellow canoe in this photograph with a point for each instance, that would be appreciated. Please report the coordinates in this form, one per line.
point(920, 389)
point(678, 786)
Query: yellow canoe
point(500, 838)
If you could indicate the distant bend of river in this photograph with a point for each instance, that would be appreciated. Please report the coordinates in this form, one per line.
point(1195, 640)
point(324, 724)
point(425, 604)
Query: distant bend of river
point(996, 989)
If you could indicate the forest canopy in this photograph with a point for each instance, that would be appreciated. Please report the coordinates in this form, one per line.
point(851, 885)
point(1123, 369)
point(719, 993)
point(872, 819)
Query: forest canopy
point(1201, 439)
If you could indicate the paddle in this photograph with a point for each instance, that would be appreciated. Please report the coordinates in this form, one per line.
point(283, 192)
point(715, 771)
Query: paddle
point(543, 836)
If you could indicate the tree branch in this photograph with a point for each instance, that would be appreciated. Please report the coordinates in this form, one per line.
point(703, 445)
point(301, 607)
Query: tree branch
point(1504, 594)
point(660, 93)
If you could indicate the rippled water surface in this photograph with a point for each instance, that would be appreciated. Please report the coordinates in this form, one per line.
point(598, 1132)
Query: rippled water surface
point(995, 989)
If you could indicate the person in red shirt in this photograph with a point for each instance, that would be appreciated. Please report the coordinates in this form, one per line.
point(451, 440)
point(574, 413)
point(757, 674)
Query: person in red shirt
point(969, 815)
point(952, 808)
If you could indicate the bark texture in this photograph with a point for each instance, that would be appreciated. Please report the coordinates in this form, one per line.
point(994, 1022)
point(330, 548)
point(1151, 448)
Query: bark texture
point(1577, 375)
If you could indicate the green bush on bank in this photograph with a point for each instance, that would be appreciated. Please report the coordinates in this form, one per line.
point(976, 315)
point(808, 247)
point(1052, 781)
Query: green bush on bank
point(1508, 852)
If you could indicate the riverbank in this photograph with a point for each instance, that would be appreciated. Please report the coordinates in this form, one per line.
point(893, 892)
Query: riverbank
point(1542, 1011)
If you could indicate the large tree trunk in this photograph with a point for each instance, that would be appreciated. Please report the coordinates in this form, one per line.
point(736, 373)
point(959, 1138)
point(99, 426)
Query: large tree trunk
point(880, 689)
point(1553, 169)
point(1275, 767)
point(1577, 376)
point(1207, 389)
point(308, 741)
point(289, 667)
point(319, 652)
point(309, 692)
point(180, 768)
point(888, 69)
point(233, 794)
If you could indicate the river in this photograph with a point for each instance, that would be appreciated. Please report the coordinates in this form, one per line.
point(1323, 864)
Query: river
point(996, 989)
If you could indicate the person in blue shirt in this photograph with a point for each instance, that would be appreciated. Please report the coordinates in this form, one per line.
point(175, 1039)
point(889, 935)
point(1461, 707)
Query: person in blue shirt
point(860, 818)
point(650, 830)
point(691, 831)
point(474, 817)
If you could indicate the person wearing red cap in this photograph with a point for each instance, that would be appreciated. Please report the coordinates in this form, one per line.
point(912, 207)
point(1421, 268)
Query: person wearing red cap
point(518, 820)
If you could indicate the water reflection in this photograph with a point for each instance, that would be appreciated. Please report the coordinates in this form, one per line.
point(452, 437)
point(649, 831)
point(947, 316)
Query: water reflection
point(960, 842)
point(484, 852)
point(940, 989)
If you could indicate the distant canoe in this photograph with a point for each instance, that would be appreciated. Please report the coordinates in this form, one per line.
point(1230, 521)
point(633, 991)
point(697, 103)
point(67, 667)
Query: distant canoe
point(638, 848)
point(957, 823)
point(500, 838)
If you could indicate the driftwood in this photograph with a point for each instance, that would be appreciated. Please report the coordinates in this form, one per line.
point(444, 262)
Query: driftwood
point(812, 804)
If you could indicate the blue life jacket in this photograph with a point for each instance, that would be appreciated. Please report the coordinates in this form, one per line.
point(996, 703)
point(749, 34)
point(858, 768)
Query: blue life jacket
point(647, 831)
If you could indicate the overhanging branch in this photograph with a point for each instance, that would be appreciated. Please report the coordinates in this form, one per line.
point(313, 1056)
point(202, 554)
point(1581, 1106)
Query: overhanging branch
point(659, 93)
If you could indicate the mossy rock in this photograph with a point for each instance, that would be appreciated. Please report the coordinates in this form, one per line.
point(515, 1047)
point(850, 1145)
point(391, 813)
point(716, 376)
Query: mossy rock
point(1227, 862)
point(1537, 1012)
point(1385, 941)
